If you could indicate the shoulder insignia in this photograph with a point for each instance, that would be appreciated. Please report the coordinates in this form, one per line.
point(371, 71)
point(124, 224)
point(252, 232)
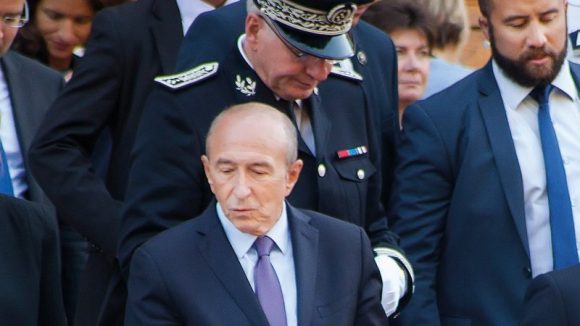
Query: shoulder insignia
point(346, 73)
point(188, 77)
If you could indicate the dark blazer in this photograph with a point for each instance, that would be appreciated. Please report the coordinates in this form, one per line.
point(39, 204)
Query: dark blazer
point(460, 209)
point(32, 88)
point(129, 45)
point(553, 299)
point(30, 281)
point(190, 275)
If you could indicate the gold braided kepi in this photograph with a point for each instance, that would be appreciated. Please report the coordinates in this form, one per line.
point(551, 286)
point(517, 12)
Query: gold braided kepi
point(319, 28)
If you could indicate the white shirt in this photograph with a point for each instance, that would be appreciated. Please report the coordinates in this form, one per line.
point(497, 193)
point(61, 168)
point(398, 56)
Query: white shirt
point(10, 141)
point(522, 114)
point(190, 9)
point(281, 257)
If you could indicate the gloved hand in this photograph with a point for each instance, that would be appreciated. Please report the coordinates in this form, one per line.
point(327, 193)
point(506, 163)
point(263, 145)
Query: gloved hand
point(394, 282)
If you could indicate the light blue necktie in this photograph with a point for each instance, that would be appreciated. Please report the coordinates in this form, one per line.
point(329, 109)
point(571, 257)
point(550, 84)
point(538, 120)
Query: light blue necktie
point(5, 180)
point(267, 284)
point(561, 217)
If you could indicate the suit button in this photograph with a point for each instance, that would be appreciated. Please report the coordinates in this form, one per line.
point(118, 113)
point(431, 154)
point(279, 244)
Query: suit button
point(360, 174)
point(527, 272)
point(321, 170)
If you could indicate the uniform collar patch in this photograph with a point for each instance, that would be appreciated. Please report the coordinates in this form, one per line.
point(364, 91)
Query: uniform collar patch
point(246, 86)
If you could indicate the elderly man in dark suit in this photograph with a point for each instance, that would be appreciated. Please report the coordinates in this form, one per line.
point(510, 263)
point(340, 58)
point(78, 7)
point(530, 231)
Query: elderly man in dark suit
point(487, 185)
point(552, 299)
point(213, 270)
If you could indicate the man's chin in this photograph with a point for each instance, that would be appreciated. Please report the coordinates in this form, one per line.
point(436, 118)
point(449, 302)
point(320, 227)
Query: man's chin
point(541, 72)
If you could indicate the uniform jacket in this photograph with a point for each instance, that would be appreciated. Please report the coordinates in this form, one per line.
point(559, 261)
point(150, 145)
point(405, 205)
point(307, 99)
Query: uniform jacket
point(190, 275)
point(375, 61)
point(341, 108)
point(32, 88)
point(459, 206)
point(30, 285)
point(129, 45)
point(172, 135)
point(552, 299)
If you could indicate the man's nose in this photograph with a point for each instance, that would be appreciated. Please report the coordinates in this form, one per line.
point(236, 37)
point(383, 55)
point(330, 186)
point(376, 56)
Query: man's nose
point(241, 188)
point(536, 36)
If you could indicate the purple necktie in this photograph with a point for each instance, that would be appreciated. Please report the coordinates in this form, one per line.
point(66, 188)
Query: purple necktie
point(267, 285)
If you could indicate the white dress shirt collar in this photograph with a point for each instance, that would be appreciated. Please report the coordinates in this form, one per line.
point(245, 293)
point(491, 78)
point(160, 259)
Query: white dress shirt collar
point(241, 40)
point(242, 242)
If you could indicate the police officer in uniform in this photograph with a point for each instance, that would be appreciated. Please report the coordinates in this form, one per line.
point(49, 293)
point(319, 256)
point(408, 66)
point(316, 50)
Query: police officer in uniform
point(288, 48)
point(373, 67)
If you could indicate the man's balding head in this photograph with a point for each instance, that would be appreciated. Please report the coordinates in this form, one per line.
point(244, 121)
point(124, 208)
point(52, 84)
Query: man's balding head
point(251, 164)
point(260, 115)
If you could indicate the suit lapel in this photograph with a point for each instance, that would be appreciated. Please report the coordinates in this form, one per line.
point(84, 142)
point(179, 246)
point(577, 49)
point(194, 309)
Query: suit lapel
point(167, 31)
point(21, 106)
point(27, 114)
point(503, 148)
point(222, 260)
point(305, 247)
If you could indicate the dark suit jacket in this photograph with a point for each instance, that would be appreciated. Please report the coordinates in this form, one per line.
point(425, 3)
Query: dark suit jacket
point(32, 88)
point(553, 299)
point(460, 208)
point(30, 281)
point(129, 46)
point(190, 275)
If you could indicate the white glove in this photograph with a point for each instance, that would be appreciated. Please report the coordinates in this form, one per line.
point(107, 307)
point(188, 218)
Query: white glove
point(394, 282)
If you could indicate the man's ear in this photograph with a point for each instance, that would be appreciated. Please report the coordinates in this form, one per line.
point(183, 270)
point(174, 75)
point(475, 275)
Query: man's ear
point(206, 169)
point(253, 26)
point(293, 174)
